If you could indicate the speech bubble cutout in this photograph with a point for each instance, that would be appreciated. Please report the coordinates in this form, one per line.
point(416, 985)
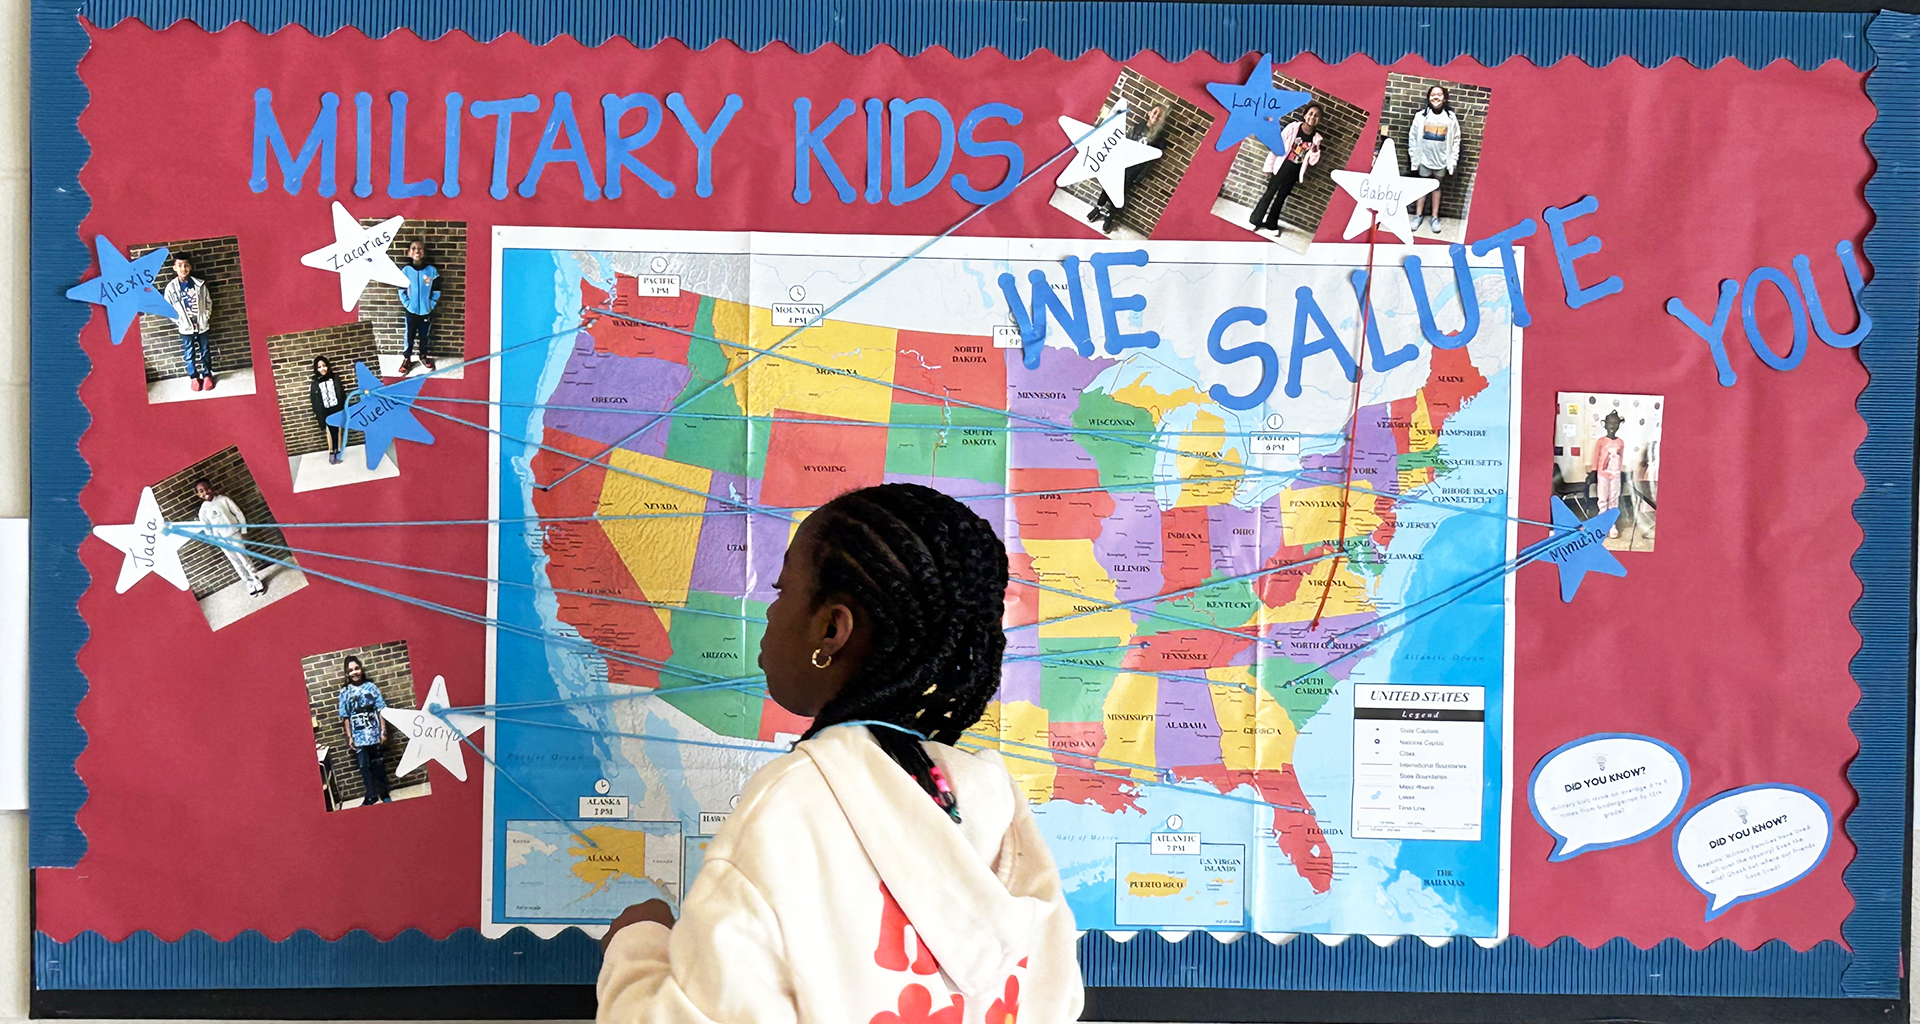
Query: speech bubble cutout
point(1749, 842)
point(1607, 790)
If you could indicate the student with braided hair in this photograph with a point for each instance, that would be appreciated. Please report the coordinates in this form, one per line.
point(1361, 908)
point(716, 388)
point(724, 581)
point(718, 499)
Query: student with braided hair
point(876, 873)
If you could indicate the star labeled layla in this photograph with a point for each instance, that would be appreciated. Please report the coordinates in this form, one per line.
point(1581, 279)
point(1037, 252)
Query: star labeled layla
point(1103, 153)
point(359, 255)
point(1255, 107)
point(149, 546)
point(1383, 193)
point(1577, 549)
point(124, 287)
point(384, 414)
point(434, 736)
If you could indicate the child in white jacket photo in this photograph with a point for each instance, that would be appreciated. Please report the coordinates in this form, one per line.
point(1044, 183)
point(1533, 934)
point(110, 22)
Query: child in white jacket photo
point(1433, 150)
point(877, 874)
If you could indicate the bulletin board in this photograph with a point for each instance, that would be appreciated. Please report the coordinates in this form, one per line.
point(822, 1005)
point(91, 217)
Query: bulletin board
point(439, 383)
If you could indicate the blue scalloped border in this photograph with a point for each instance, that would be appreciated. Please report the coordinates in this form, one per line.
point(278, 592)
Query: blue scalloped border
point(1884, 614)
point(1017, 27)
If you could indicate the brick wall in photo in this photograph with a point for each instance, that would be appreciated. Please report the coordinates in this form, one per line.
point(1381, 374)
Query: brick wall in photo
point(293, 356)
point(389, 668)
point(1342, 127)
point(217, 262)
point(1187, 124)
point(208, 570)
point(446, 242)
point(1405, 95)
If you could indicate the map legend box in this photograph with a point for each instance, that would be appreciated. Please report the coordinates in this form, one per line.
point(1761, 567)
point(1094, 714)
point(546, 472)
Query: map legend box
point(1419, 761)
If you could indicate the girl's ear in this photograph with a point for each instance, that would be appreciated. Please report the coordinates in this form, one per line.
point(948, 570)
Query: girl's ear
point(835, 621)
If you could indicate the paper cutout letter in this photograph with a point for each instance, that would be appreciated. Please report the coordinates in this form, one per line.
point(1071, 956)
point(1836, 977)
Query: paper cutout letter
point(358, 255)
point(431, 737)
point(148, 544)
point(124, 287)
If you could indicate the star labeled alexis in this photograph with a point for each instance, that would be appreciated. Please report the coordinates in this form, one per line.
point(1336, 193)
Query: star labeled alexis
point(1577, 549)
point(1255, 107)
point(1103, 153)
point(1382, 193)
point(383, 414)
point(148, 545)
point(434, 737)
point(124, 287)
point(359, 255)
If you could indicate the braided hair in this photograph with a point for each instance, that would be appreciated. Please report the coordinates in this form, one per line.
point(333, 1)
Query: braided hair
point(930, 578)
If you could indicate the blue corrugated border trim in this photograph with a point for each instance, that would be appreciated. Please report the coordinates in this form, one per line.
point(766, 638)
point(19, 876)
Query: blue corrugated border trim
point(1017, 27)
point(304, 960)
point(1884, 510)
point(58, 418)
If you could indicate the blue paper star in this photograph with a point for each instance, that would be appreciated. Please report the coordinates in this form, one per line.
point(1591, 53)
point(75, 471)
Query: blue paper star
point(124, 287)
point(384, 414)
point(1255, 107)
point(1579, 552)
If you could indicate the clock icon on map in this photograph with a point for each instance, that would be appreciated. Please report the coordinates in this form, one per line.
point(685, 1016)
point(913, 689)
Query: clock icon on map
point(602, 787)
point(659, 264)
point(797, 293)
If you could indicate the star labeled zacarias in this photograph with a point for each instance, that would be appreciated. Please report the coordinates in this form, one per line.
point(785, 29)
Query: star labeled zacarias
point(359, 255)
point(148, 545)
point(124, 287)
point(1103, 153)
point(1383, 193)
point(384, 414)
point(1577, 547)
point(1255, 107)
point(434, 736)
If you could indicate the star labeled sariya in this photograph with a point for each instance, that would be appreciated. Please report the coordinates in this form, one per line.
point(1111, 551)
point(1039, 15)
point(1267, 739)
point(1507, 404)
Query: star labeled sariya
point(434, 736)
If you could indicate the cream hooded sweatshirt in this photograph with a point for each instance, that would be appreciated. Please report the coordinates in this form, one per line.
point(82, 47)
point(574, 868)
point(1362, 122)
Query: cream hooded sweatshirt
point(838, 892)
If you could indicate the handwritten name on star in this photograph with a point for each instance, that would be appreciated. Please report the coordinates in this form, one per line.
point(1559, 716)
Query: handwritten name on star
point(376, 241)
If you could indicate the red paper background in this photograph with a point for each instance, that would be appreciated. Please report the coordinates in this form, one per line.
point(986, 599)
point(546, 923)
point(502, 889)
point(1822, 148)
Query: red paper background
point(1731, 641)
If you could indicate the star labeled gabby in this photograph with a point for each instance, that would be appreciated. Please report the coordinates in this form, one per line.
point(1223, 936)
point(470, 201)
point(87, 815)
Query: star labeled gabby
point(1382, 194)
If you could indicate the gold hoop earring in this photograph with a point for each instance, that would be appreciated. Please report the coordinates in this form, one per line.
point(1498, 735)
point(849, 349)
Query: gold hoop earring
point(816, 659)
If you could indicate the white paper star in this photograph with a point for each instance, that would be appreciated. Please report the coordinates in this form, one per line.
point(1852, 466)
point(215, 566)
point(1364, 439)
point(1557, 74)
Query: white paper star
point(1104, 153)
point(358, 255)
point(148, 545)
point(430, 737)
point(1384, 192)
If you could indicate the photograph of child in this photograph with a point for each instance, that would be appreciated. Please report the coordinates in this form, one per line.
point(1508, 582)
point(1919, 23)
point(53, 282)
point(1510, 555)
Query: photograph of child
point(202, 350)
point(420, 327)
point(1437, 126)
point(238, 562)
point(314, 376)
point(1283, 195)
point(1606, 455)
point(355, 747)
point(1157, 117)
